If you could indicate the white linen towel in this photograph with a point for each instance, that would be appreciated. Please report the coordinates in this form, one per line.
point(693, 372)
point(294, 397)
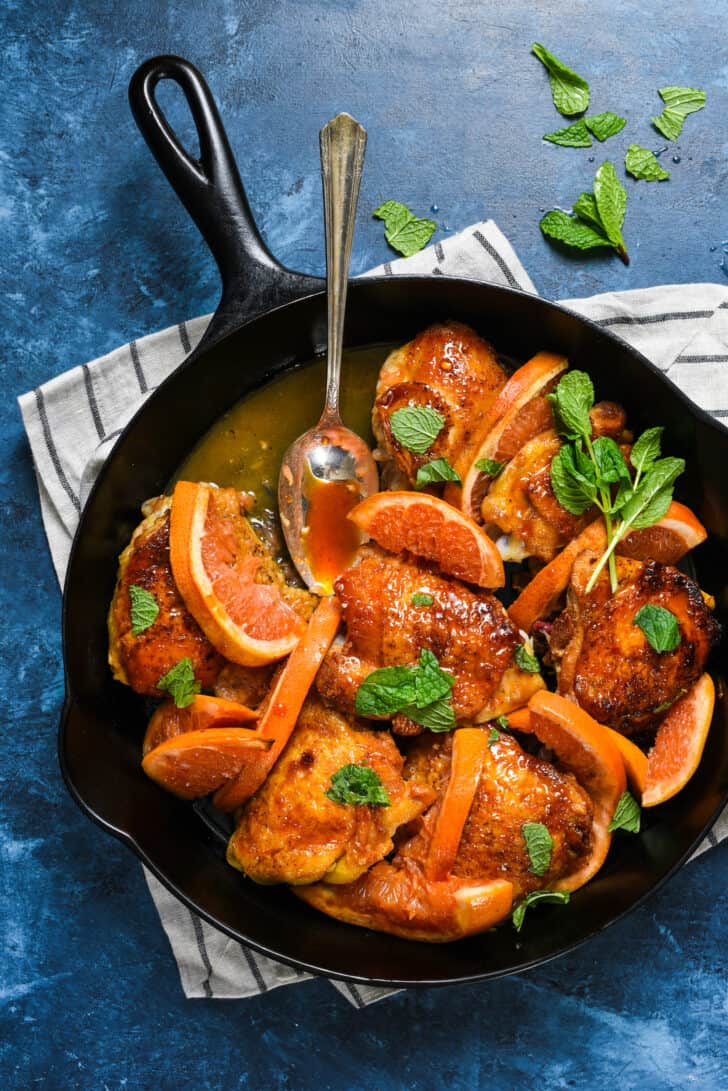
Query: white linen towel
point(73, 420)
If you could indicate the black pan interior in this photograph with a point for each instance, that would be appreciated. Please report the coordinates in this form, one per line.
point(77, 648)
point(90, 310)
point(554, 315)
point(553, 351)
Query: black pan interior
point(103, 722)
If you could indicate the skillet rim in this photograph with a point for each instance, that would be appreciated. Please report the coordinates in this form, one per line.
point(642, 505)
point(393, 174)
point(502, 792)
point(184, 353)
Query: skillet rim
point(211, 342)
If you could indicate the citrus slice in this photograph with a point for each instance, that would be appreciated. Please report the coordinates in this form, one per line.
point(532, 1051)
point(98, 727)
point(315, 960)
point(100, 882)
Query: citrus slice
point(399, 900)
point(204, 712)
point(635, 761)
point(667, 541)
point(518, 414)
point(196, 763)
point(584, 748)
point(284, 703)
point(216, 563)
point(466, 764)
point(430, 528)
point(679, 743)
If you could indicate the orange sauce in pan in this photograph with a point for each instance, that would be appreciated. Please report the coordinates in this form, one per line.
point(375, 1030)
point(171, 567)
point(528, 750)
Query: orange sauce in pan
point(330, 539)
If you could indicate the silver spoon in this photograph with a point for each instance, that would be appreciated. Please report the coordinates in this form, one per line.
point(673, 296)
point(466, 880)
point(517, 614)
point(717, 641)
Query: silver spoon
point(329, 458)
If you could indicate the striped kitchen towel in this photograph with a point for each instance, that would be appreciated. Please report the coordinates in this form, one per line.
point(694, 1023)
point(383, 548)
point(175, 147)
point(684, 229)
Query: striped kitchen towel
point(73, 420)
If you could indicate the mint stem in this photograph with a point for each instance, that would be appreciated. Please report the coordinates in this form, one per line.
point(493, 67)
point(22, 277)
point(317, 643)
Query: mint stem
point(608, 552)
point(624, 256)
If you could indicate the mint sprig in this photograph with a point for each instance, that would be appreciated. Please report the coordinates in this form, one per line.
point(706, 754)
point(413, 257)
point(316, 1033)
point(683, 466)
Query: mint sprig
point(643, 164)
point(143, 609)
point(558, 897)
point(680, 102)
point(421, 692)
point(525, 660)
point(539, 845)
point(490, 466)
point(358, 785)
point(416, 427)
point(569, 90)
point(432, 473)
point(596, 219)
point(420, 598)
point(627, 815)
point(180, 683)
point(403, 230)
point(660, 627)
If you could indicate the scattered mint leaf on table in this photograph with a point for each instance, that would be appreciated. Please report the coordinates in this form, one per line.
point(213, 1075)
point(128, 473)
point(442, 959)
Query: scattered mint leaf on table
point(420, 599)
point(570, 231)
point(659, 626)
point(180, 683)
point(585, 208)
point(643, 164)
point(539, 844)
point(558, 897)
point(143, 610)
point(627, 815)
point(357, 785)
point(434, 472)
point(489, 466)
point(525, 661)
point(679, 103)
point(403, 230)
point(570, 91)
point(416, 427)
point(605, 125)
point(611, 199)
point(573, 136)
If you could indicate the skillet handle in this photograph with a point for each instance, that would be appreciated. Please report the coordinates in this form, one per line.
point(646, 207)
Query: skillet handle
point(212, 192)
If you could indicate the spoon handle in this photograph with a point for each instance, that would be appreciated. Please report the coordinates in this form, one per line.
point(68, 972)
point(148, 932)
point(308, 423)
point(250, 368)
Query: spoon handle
point(343, 141)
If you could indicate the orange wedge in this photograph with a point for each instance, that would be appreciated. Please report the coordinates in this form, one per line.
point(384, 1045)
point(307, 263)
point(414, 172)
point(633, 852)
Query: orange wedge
point(285, 702)
point(466, 764)
point(196, 763)
point(667, 541)
point(518, 414)
point(168, 720)
point(247, 621)
point(679, 743)
point(635, 762)
point(413, 522)
point(585, 749)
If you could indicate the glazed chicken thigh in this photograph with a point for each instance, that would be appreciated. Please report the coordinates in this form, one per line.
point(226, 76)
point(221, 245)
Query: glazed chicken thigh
point(469, 632)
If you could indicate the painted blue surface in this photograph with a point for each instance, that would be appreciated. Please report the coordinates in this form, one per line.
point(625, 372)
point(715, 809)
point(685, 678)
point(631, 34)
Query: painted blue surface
point(95, 250)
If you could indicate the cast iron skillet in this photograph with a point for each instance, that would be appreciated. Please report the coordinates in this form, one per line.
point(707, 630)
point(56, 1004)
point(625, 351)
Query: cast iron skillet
point(270, 319)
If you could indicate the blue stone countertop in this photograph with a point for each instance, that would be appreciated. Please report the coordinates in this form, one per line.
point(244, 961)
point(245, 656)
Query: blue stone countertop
point(96, 250)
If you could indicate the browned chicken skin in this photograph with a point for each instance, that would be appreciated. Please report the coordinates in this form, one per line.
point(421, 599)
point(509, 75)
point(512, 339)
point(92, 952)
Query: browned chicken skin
point(469, 633)
point(140, 661)
point(291, 832)
point(604, 660)
point(449, 368)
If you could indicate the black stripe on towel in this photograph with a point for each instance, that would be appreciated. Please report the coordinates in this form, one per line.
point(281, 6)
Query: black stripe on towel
point(184, 337)
point(199, 937)
point(50, 445)
point(650, 319)
point(496, 258)
point(701, 359)
point(93, 404)
point(254, 968)
point(712, 838)
point(354, 994)
point(141, 378)
point(439, 253)
point(387, 269)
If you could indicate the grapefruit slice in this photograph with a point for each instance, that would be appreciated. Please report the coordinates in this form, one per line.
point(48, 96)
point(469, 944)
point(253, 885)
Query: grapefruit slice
point(518, 414)
point(466, 764)
point(216, 568)
point(679, 743)
point(635, 762)
point(168, 720)
point(413, 522)
point(667, 541)
point(585, 749)
point(285, 702)
point(196, 763)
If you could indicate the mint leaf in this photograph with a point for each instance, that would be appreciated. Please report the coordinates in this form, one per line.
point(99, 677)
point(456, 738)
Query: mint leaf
point(431, 683)
point(642, 163)
point(493, 735)
point(416, 427)
point(627, 815)
point(420, 599)
point(144, 609)
point(571, 402)
point(611, 199)
point(539, 844)
point(573, 136)
point(525, 660)
point(433, 472)
point(572, 489)
point(402, 229)
point(559, 897)
point(651, 499)
point(570, 91)
point(646, 449)
point(609, 460)
point(489, 466)
point(357, 785)
point(502, 722)
point(566, 229)
point(605, 125)
point(180, 683)
point(679, 102)
point(437, 716)
point(659, 626)
point(385, 692)
point(585, 208)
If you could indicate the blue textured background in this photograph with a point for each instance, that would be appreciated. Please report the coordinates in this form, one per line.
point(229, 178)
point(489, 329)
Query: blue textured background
point(95, 251)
